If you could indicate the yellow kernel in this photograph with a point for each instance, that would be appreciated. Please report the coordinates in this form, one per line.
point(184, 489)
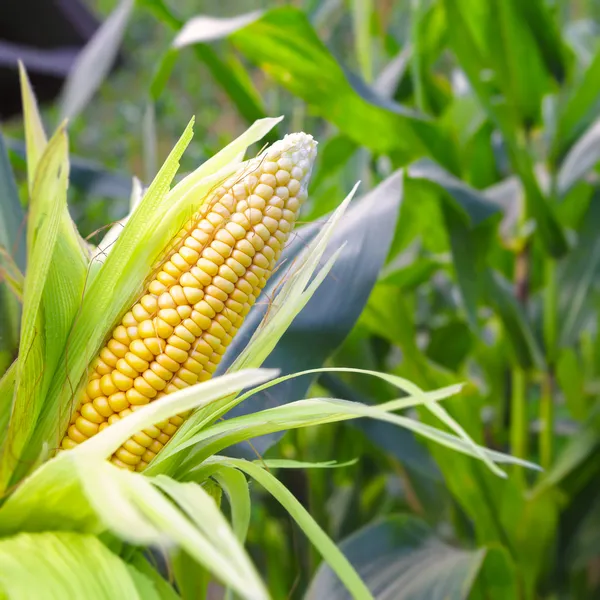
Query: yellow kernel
point(193, 295)
point(127, 457)
point(267, 179)
point(147, 457)
point(283, 193)
point(234, 266)
point(236, 231)
point(178, 296)
point(217, 330)
point(102, 406)
point(93, 389)
point(285, 226)
point(200, 319)
point(176, 353)
point(297, 172)
point(202, 347)
point(140, 349)
point(198, 357)
point(179, 383)
point(136, 398)
point(118, 402)
point(139, 364)
point(244, 286)
point(224, 285)
point(129, 320)
point(239, 191)
point(140, 313)
point(119, 463)
point(282, 177)
point(86, 427)
point(147, 329)
point(234, 305)
point(213, 341)
point(142, 439)
point(161, 371)
point(192, 326)
point(261, 260)
point(171, 269)
point(179, 262)
point(107, 386)
point(120, 334)
point(167, 362)
point(177, 342)
point(123, 382)
point(201, 275)
point(202, 236)
point(141, 466)
point(114, 419)
point(225, 237)
point(154, 346)
point(126, 369)
point(108, 357)
point(170, 316)
point(176, 420)
point(156, 446)
point(91, 414)
point(117, 348)
point(293, 187)
point(214, 219)
point(76, 435)
point(190, 255)
point(216, 291)
point(144, 388)
point(156, 287)
point(184, 311)
point(239, 218)
point(275, 202)
point(158, 383)
point(150, 303)
point(163, 438)
point(226, 272)
point(166, 279)
point(221, 248)
point(68, 444)
point(188, 280)
point(183, 333)
point(255, 239)
point(274, 212)
point(162, 328)
point(166, 301)
point(133, 334)
point(192, 366)
point(133, 447)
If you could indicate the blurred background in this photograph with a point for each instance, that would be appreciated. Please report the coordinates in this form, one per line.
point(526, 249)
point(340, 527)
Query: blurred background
point(491, 276)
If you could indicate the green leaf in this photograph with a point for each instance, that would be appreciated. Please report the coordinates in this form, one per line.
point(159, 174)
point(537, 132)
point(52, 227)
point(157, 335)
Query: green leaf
point(581, 108)
point(57, 565)
point(525, 346)
point(400, 557)
point(284, 44)
point(581, 159)
point(12, 245)
point(94, 62)
point(235, 486)
point(576, 276)
point(315, 534)
point(48, 204)
point(239, 89)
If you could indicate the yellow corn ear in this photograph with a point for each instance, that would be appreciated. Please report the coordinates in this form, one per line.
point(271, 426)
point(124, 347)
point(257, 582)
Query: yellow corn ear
point(177, 332)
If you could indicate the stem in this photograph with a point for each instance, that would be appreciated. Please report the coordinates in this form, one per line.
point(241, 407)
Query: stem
point(518, 421)
point(546, 435)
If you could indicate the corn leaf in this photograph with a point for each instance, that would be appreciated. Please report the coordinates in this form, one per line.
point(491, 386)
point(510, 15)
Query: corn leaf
point(12, 246)
point(400, 557)
point(57, 565)
point(284, 44)
point(48, 204)
point(235, 486)
point(94, 61)
point(330, 552)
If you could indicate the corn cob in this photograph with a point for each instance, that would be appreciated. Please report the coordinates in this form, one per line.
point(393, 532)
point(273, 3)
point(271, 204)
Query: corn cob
point(178, 331)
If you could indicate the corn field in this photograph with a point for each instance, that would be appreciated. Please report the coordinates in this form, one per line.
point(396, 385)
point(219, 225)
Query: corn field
point(300, 300)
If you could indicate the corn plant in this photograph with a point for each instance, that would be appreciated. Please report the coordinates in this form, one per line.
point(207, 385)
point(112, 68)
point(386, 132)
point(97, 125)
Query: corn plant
point(112, 424)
